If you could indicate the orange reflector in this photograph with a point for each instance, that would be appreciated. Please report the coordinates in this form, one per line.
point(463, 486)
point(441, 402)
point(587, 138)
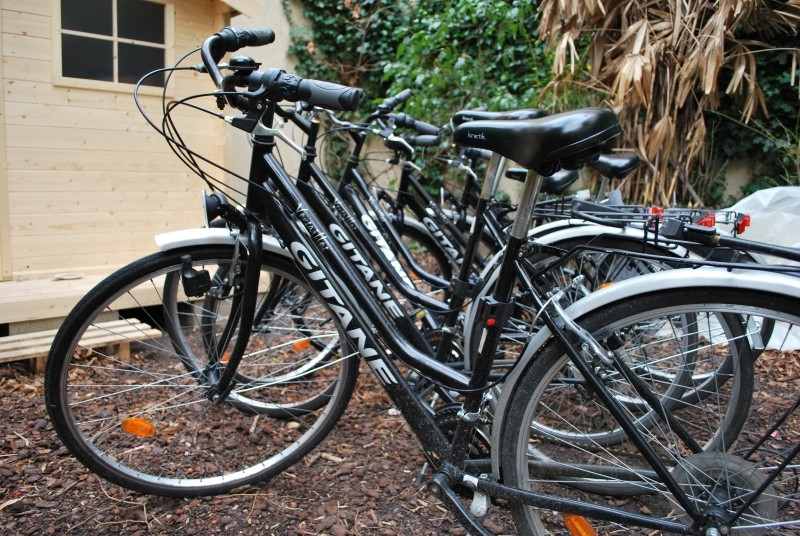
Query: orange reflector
point(578, 526)
point(138, 427)
point(604, 285)
point(301, 345)
point(225, 358)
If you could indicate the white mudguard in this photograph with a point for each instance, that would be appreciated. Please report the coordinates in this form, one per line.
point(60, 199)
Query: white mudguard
point(702, 278)
point(211, 236)
point(561, 230)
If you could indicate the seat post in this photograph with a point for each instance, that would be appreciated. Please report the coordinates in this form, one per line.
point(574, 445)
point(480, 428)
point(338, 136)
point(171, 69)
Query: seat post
point(601, 192)
point(493, 173)
point(530, 192)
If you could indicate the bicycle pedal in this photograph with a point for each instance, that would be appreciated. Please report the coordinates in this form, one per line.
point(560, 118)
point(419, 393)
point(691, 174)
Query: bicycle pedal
point(480, 504)
point(421, 475)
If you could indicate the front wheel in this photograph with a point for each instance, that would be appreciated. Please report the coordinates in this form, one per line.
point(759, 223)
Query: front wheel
point(145, 418)
point(551, 401)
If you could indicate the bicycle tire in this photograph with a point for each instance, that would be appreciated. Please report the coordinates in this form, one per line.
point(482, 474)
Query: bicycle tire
point(146, 422)
point(600, 269)
point(611, 268)
point(281, 308)
point(428, 254)
point(521, 450)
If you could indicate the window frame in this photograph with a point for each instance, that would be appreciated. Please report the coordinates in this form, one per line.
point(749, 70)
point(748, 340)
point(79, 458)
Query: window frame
point(86, 83)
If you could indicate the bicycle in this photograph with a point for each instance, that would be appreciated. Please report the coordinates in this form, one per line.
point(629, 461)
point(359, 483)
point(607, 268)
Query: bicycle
point(602, 254)
point(163, 445)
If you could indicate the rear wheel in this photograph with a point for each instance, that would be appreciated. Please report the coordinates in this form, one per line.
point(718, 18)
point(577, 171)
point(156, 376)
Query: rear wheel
point(577, 277)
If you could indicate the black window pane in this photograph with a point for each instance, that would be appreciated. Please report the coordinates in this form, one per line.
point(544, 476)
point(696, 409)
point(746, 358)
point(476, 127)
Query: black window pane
point(135, 61)
point(91, 16)
point(84, 57)
point(140, 20)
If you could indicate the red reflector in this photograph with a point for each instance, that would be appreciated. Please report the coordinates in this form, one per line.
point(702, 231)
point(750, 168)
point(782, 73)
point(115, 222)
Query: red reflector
point(709, 220)
point(742, 223)
point(491, 322)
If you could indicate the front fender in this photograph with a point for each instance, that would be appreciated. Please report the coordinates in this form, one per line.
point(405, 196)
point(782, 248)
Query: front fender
point(701, 278)
point(212, 236)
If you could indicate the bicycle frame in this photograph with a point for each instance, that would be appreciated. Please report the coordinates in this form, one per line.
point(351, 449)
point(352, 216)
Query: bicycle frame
point(361, 223)
point(448, 228)
point(371, 333)
point(353, 185)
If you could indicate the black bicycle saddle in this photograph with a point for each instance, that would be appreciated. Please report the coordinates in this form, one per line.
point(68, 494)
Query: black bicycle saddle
point(555, 184)
point(616, 165)
point(568, 140)
point(467, 116)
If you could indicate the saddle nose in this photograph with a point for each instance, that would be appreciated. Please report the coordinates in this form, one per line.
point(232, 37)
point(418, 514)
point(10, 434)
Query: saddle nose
point(465, 116)
point(568, 140)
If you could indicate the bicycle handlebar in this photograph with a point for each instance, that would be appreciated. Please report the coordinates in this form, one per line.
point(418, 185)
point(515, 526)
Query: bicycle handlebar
point(279, 85)
point(406, 121)
point(474, 153)
point(230, 40)
point(422, 141)
point(391, 103)
point(274, 84)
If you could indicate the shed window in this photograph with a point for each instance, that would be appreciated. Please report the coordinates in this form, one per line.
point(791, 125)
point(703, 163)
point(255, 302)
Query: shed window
point(113, 40)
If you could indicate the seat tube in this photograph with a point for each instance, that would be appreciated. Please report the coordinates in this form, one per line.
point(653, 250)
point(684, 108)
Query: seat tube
point(518, 237)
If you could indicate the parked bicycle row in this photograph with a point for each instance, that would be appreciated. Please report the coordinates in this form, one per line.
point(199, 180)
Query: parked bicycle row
point(539, 353)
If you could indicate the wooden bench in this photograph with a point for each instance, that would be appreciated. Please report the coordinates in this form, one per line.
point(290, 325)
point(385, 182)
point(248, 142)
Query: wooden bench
point(115, 335)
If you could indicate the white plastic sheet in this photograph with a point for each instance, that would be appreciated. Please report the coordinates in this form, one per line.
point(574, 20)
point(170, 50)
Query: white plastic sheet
point(774, 216)
point(775, 219)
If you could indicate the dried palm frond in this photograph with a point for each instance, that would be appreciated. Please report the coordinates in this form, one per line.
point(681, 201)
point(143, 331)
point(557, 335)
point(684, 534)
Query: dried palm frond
point(659, 64)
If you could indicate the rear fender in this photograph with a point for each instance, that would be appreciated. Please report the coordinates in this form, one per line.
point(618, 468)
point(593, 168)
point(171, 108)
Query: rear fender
point(701, 278)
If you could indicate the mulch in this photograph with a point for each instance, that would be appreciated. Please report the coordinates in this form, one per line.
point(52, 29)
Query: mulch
point(361, 480)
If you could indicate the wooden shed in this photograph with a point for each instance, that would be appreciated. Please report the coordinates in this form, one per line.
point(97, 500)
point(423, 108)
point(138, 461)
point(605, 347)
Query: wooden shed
point(85, 182)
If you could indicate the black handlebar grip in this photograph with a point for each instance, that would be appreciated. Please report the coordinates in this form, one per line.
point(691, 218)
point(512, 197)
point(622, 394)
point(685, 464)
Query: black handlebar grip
point(232, 39)
point(279, 85)
point(390, 103)
point(422, 141)
point(477, 154)
point(406, 121)
point(329, 95)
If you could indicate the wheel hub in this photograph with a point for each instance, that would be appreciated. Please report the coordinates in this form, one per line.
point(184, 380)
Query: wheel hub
point(720, 485)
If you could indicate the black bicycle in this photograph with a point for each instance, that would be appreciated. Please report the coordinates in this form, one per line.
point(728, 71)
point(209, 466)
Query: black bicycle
point(174, 419)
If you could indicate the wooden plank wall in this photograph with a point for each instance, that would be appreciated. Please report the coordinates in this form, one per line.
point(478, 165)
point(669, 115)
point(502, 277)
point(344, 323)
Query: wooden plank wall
point(5, 234)
point(88, 181)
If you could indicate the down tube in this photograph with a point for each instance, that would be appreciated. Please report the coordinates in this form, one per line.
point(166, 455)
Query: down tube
point(354, 309)
point(370, 312)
